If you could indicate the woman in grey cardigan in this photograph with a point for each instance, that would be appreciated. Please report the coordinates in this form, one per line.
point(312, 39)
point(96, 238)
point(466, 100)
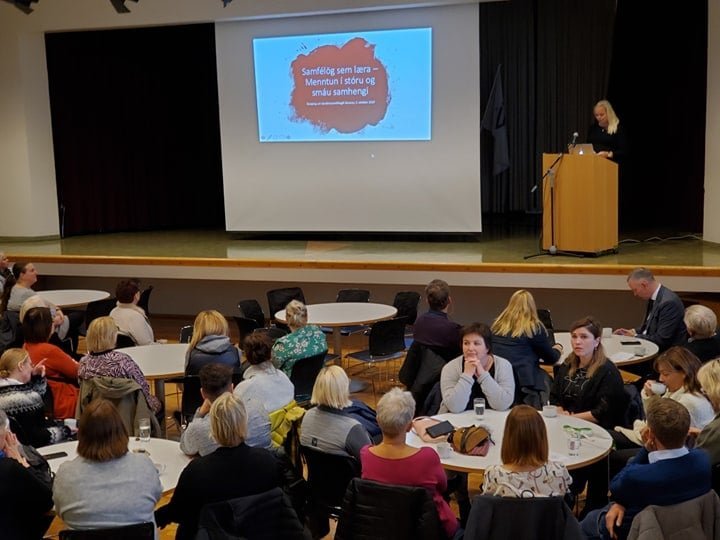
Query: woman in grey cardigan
point(477, 373)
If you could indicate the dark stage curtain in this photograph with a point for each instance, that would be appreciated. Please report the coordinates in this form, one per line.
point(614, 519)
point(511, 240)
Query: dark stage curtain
point(556, 60)
point(136, 129)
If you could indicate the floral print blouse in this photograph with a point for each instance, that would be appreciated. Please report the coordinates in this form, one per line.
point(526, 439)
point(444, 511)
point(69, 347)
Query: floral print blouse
point(549, 480)
point(302, 343)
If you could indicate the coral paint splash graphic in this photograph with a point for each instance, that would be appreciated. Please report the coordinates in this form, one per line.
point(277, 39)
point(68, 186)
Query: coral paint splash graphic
point(342, 88)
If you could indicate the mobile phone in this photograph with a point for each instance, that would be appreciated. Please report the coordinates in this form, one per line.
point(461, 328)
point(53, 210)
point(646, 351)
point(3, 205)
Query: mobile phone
point(438, 430)
point(55, 455)
point(632, 342)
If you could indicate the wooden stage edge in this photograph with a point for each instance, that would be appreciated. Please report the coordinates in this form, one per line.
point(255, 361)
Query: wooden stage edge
point(494, 267)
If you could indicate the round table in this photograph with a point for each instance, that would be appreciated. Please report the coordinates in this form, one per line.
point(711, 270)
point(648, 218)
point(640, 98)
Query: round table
point(593, 448)
point(159, 362)
point(162, 452)
point(339, 314)
point(621, 354)
point(73, 297)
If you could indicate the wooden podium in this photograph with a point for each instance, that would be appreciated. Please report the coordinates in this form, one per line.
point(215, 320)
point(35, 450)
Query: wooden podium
point(585, 206)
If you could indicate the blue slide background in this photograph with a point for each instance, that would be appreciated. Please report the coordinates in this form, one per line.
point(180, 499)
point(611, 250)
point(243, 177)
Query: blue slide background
point(407, 57)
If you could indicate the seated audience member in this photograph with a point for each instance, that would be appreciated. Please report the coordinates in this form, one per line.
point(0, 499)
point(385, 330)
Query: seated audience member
point(395, 462)
point(434, 329)
point(5, 271)
point(233, 470)
point(26, 496)
point(22, 387)
point(61, 334)
point(263, 382)
point(663, 473)
point(477, 374)
point(589, 386)
point(102, 361)
point(709, 438)
point(520, 337)
point(215, 380)
point(526, 470)
point(678, 369)
point(703, 340)
point(303, 341)
point(131, 319)
point(663, 323)
point(327, 427)
point(106, 485)
point(210, 344)
point(61, 370)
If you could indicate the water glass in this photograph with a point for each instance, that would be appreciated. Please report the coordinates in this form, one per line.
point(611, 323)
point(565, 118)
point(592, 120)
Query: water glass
point(479, 407)
point(574, 442)
point(144, 429)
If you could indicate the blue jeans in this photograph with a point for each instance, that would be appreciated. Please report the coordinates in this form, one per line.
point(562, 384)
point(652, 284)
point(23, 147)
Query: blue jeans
point(593, 526)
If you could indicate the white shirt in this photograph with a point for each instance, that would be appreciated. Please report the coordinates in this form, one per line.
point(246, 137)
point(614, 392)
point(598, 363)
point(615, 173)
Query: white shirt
point(131, 321)
point(672, 453)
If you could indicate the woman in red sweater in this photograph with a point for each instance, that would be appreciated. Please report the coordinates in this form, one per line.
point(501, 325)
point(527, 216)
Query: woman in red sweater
point(61, 369)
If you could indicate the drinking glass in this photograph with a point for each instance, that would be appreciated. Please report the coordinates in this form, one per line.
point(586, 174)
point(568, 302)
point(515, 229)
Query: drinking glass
point(144, 429)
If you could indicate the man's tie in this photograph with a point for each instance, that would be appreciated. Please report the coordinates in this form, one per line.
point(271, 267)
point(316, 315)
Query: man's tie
point(650, 304)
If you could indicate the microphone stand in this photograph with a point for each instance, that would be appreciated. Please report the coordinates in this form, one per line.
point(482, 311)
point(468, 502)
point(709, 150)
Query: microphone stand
point(552, 250)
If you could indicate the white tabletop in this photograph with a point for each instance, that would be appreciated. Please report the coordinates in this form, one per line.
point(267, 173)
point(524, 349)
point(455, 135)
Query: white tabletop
point(593, 447)
point(159, 361)
point(620, 354)
point(161, 451)
point(345, 313)
point(73, 297)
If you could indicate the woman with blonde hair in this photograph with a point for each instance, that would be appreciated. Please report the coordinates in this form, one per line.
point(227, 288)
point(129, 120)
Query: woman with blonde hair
point(520, 337)
point(210, 343)
point(327, 427)
point(104, 465)
point(102, 361)
point(709, 438)
point(303, 341)
point(526, 470)
point(605, 134)
point(22, 387)
point(233, 470)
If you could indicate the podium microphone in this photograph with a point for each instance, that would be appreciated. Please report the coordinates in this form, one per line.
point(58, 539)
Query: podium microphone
point(575, 138)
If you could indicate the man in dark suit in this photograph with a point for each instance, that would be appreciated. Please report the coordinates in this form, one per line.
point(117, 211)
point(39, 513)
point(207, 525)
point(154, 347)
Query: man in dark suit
point(663, 323)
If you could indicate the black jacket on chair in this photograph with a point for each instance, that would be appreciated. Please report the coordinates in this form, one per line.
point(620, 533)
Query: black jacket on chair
point(420, 372)
point(375, 511)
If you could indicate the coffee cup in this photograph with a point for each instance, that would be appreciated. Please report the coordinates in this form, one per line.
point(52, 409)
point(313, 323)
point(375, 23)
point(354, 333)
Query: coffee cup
point(71, 423)
point(639, 350)
point(606, 332)
point(444, 450)
point(550, 411)
point(658, 388)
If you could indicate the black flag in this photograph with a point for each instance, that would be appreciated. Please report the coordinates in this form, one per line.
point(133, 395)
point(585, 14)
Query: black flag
point(494, 121)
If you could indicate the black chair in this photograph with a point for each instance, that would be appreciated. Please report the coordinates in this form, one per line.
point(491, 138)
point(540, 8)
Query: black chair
point(265, 515)
point(546, 319)
point(246, 326)
point(386, 342)
point(540, 518)
point(328, 478)
point(96, 309)
point(123, 341)
point(406, 303)
point(186, 333)
point(251, 309)
point(388, 512)
point(274, 332)
point(139, 531)
point(10, 331)
point(191, 398)
point(353, 295)
point(303, 375)
point(144, 301)
point(279, 298)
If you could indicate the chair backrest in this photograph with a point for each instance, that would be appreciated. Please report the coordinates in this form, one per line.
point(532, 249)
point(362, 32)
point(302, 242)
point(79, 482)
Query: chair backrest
point(406, 302)
point(279, 298)
point(353, 295)
point(384, 511)
point(692, 519)
point(191, 398)
point(138, 531)
point(246, 326)
point(99, 308)
point(10, 331)
point(546, 319)
point(716, 478)
point(329, 476)
point(186, 333)
point(303, 375)
point(123, 341)
point(251, 309)
point(265, 515)
point(274, 332)
point(542, 518)
point(387, 337)
point(144, 301)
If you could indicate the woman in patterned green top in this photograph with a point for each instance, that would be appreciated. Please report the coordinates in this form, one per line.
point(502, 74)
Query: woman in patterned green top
point(303, 341)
